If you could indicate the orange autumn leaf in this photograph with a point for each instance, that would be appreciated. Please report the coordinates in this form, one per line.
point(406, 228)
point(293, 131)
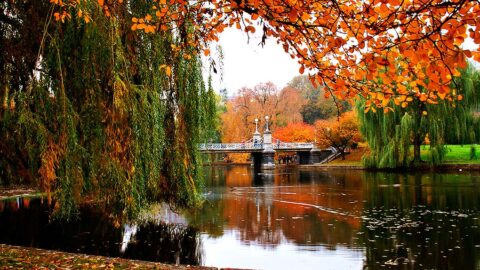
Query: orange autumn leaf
point(348, 45)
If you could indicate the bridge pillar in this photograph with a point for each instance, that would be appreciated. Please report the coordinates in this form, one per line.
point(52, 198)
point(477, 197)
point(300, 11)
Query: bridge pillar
point(309, 157)
point(315, 155)
point(303, 157)
point(268, 153)
point(268, 159)
point(256, 158)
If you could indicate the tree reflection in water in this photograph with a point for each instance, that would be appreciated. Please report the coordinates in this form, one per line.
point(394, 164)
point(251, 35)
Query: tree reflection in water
point(25, 222)
point(422, 220)
point(349, 218)
point(274, 207)
point(426, 221)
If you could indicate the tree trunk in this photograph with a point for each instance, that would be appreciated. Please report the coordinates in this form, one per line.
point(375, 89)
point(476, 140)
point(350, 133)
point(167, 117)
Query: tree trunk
point(417, 142)
point(418, 135)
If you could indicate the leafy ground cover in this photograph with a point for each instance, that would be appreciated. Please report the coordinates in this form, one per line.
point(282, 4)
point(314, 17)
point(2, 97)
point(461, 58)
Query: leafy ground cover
point(13, 257)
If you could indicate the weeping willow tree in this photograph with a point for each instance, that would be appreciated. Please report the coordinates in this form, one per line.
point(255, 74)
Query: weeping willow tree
point(392, 134)
point(94, 111)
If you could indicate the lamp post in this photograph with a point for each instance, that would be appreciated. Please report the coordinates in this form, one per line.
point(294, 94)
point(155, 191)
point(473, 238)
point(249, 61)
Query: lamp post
point(256, 135)
point(266, 118)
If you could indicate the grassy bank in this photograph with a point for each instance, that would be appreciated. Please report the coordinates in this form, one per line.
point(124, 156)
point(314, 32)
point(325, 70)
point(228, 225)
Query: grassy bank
point(455, 155)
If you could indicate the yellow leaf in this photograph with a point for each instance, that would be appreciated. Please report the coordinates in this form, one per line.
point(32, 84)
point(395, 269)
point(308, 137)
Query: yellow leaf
point(101, 2)
point(168, 71)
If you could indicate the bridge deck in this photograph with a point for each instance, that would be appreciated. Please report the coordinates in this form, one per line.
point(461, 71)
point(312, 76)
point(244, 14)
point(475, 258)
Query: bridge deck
point(253, 147)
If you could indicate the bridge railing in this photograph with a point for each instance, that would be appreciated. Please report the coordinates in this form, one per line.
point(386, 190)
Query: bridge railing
point(252, 146)
point(285, 145)
point(230, 146)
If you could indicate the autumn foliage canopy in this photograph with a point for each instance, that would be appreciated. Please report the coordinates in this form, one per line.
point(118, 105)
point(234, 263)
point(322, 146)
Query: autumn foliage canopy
point(295, 132)
point(340, 133)
point(282, 106)
point(381, 49)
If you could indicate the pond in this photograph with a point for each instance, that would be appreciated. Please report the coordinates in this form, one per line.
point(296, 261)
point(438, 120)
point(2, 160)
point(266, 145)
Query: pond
point(289, 218)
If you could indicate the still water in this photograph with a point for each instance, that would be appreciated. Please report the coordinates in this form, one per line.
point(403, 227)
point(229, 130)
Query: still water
point(289, 218)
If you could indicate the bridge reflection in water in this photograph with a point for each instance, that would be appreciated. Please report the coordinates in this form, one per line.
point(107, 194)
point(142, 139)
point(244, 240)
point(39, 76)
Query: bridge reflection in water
point(295, 218)
point(343, 219)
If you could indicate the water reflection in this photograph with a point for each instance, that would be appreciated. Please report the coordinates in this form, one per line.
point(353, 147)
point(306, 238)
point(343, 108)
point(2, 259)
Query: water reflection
point(287, 218)
point(394, 220)
point(426, 221)
point(303, 207)
point(25, 222)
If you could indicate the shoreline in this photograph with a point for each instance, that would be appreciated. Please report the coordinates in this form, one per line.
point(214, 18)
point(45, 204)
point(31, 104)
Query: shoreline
point(12, 192)
point(17, 257)
point(438, 168)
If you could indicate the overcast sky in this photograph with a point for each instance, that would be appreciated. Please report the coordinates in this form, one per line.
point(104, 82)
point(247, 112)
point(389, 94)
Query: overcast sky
point(247, 63)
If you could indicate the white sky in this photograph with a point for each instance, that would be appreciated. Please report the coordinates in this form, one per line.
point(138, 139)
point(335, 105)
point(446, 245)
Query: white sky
point(247, 63)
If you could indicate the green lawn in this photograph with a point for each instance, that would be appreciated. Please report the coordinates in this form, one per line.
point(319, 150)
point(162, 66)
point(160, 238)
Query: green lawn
point(456, 154)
